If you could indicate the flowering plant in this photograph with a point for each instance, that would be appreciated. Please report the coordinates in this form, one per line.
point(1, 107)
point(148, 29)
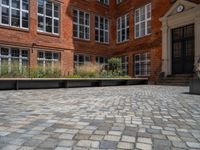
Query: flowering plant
point(197, 69)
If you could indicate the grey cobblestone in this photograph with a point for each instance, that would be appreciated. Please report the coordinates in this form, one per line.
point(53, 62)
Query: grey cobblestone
point(132, 117)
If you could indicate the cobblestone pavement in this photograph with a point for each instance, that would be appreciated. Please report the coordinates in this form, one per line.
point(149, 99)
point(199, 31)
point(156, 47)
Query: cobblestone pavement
point(133, 117)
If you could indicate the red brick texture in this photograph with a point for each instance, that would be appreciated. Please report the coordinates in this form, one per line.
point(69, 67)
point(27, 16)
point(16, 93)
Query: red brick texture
point(67, 45)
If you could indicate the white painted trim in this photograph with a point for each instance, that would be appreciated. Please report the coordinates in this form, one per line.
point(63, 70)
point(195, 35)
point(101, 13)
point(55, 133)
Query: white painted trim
point(169, 22)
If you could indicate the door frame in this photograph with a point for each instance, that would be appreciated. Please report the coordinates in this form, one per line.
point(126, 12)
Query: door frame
point(171, 20)
point(183, 40)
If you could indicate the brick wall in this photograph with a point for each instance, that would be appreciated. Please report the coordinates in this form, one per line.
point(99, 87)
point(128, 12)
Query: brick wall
point(67, 45)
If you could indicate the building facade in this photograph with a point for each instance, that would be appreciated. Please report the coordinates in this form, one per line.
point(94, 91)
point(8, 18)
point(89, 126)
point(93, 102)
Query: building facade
point(150, 36)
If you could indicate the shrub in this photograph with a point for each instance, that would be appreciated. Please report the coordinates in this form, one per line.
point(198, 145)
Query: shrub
point(114, 64)
point(88, 70)
point(197, 69)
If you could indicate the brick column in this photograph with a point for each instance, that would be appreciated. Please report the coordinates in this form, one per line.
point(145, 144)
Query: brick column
point(93, 59)
point(32, 58)
point(67, 65)
point(130, 65)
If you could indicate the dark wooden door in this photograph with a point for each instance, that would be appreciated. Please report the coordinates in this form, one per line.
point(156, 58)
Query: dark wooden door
point(183, 50)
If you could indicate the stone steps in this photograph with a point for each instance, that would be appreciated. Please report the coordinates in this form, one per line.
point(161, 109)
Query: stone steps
point(176, 80)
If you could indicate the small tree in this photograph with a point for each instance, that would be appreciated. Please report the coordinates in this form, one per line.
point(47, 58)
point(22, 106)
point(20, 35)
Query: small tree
point(114, 64)
point(197, 69)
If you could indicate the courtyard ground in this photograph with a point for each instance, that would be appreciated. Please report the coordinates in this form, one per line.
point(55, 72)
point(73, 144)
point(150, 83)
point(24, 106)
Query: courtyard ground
point(127, 117)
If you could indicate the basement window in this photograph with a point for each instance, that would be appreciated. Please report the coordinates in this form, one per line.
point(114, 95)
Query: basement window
point(13, 59)
point(142, 64)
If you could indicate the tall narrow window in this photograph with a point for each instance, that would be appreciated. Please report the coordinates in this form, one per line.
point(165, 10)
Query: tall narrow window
point(123, 28)
point(81, 24)
point(48, 16)
point(143, 21)
point(124, 63)
point(101, 29)
point(14, 13)
point(142, 64)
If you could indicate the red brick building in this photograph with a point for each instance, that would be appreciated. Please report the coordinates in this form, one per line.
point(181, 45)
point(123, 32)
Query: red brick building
point(146, 34)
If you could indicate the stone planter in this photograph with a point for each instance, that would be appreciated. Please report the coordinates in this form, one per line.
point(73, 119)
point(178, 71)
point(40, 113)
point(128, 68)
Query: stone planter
point(195, 87)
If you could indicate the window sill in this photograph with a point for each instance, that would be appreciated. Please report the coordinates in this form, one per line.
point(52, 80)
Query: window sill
point(48, 34)
point(81, 40)
point(124, 42)
point(137, 38)
point(14, 28)
point(100, 43)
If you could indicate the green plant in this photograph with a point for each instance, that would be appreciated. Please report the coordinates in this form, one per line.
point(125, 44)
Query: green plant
point(114, 64)
point(88, 70)
point(197, 69)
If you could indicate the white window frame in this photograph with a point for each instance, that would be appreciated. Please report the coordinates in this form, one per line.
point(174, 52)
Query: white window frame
point(10, 57)
point(83, 25)
point(120, 29)
point(77, 62)
point(51, 17)
point(21, 10)
point(105, 61)
point(144, 63)
point(125, 64)
point(119, 1)
point(105, 2)
point(52, 60)
point(104, 29)
point(139, 21)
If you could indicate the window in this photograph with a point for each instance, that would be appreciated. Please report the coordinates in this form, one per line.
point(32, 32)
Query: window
point(106, 2)
point(14, 13)
point(143, 21)
point(81, 60)
point(101, 29)
point(48, 16)
point(13, 59)
point(124, 63)
point(123, 28)
point(81, 24)
point(48, 60)
point(118, 1)
point(142, 64)
point(102, 61)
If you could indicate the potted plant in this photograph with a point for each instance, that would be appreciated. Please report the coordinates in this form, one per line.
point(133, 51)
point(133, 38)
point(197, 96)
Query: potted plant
point(195, 84)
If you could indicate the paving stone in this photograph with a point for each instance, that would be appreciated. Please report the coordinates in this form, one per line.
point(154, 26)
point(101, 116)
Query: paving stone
point(161, 144)
point(143, 146)
point(125, 145)
point(193, 145)
point(111, 138)
point(130, 139)
point(11, 147)
point(108, 145)
point(144, 140)
point(66, 143)
point(160, 117)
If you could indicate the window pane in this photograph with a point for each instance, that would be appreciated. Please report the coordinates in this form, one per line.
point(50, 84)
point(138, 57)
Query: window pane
point(15, 18)
point(25, 4)
point(15, 52)
point(16, 3)
point(4, 51)
point(5, 2)
point(24, 20)
point(41, 6)
point(48, 24)
point(49, 9)
point(40, 23)
point(5, 15)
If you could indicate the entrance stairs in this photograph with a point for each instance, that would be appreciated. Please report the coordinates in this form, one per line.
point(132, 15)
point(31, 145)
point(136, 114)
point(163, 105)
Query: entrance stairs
point(176, 80)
